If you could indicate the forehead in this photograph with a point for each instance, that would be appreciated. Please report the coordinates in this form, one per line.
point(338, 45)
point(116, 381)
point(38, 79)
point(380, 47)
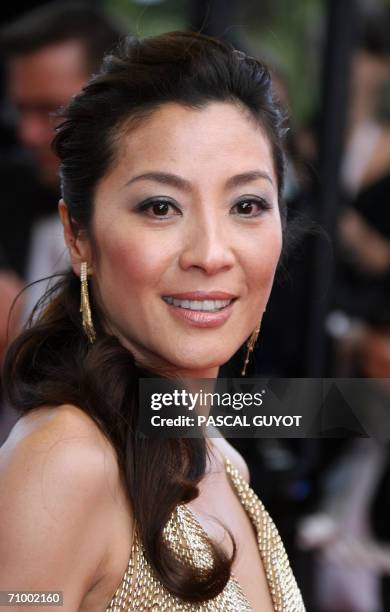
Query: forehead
point(56, 71)
point(220, 138)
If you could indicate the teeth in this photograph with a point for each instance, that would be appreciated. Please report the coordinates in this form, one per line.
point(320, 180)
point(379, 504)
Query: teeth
point(207, 305)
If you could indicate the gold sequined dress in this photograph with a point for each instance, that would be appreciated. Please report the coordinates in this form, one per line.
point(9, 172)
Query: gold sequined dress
point(140, 589)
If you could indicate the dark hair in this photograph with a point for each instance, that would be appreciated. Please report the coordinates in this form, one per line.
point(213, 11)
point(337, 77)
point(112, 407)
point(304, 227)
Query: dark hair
point(102, 378)
point(59, 22)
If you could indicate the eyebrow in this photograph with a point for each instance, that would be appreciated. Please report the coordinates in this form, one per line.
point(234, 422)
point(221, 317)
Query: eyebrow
point(247, 177)
point(177, 181)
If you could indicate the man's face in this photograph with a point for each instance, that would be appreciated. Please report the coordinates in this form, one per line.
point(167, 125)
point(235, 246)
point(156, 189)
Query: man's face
point(39, 83)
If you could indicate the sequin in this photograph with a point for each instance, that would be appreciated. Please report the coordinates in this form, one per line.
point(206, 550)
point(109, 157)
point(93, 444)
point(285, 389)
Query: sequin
point(141, 590)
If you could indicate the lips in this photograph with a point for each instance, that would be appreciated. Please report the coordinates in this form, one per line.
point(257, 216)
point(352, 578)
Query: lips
point(201, 308)
point(202, 295)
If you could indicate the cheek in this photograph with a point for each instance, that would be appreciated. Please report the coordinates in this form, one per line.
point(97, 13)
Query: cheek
point(261, 259)
point(127, 261)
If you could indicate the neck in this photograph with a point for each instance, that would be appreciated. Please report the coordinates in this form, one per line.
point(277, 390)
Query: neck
point(197, 374)
point(151, 361)
point(197, 380)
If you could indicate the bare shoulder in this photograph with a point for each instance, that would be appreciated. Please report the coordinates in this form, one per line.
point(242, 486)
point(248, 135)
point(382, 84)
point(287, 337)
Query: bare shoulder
point(58, 476)
point(58, 440)
point(72, 419)
point(233, 455)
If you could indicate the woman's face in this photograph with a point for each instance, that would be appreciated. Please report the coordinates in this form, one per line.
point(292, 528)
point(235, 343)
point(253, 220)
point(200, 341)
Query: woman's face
point(187, 236)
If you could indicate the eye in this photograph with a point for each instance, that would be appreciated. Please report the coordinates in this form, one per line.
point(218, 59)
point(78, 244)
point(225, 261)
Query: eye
point(158, 208)
point(250, 207)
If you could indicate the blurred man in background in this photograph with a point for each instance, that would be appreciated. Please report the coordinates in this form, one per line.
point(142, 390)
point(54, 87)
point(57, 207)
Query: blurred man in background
point(48, 55)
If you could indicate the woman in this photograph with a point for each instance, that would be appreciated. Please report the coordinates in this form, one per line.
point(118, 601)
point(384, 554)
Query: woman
point(172, 170)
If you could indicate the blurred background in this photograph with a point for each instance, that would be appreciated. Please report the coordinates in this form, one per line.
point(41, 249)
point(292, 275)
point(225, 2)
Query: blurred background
point(329, 312)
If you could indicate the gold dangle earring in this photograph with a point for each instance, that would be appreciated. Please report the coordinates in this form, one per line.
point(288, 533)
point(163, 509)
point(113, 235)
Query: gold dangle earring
point(85, 307)
point(250, 345)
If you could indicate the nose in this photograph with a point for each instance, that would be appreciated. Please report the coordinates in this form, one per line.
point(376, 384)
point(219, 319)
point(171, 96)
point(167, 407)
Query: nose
point(207, 247)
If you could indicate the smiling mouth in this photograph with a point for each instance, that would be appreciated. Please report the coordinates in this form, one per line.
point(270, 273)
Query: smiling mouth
point(200, 305)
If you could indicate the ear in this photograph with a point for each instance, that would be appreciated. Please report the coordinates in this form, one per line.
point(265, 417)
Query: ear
point(79, 247)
